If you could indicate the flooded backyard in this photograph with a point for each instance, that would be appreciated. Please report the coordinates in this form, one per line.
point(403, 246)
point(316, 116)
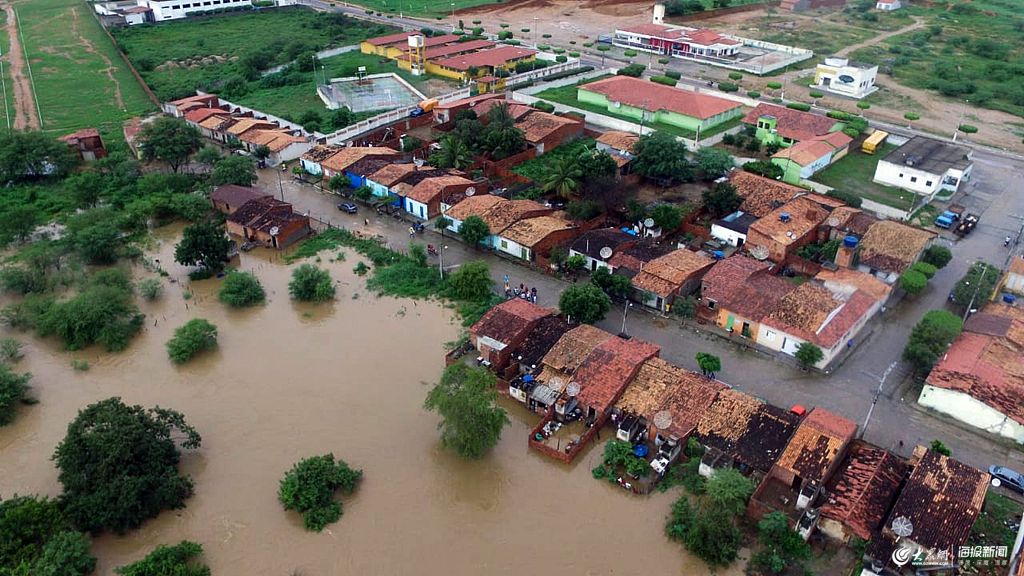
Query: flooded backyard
point(290, 381)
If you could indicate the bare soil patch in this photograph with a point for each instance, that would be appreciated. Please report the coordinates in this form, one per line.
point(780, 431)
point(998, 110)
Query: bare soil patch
point(25, 115)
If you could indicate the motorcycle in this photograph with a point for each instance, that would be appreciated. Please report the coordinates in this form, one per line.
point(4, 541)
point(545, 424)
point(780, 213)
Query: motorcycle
point(419, 228)
point(431, 250)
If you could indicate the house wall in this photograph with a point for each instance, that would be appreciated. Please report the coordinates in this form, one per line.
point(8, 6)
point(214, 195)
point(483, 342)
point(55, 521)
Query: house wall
point(559, 137)
point(289, 153)
point(907, 178)
point(175, 9)
point(592, 263)
point(664, 116)
point(732, 237)
point(311, 167)
point(862, 84)
point(1014, 283)
point(972, 411)
point(733, 323)
point(512, 248)
point(417, 209)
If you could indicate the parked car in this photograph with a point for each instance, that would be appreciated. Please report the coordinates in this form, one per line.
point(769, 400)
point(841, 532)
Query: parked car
point(1010, 478)
point(348, 207)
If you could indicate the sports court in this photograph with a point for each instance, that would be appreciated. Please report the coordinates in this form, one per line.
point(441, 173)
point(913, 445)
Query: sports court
point(373, 92)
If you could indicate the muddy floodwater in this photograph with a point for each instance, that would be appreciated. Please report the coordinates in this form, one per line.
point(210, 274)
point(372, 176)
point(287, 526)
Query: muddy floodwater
point(290, 381)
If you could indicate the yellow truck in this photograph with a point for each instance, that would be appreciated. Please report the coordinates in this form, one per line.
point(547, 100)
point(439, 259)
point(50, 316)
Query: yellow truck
point(873, 142)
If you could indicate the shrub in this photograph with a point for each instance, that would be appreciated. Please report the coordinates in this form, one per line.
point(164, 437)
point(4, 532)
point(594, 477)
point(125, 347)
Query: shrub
point(561, 58)
point(633, 70)
point(574, 54)
point(311, 284)
point(588, 44)
point(197, 335)
point(838, 115)
point(851, 199)
point(506, 26)
point(308, 488)
point(13, 390)
point(799, 106)
point(151, 288)
point(968, 129)
point(524, 30)
point(664, 61)
point(774, 85)
point(816, 94)
point(930, 338)
point(728, 139)
point(241, 289)
point(912, 116)
point(177, 560)
point(10, 350)
point(102, 315)
point(673, 74)
point(629, 53)
point(728, 87)
point(663, 80)
point(753, 94)
point(925, 268)
point(735, 76)
point(863, 105)
point(603, 48)
point(543, 47)
point(513, 42)
point(545, 36)
point(937, 256)
point(544, 106)
point(504, 35)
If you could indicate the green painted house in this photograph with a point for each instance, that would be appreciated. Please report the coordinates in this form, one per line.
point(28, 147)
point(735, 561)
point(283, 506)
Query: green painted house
point(785, 126)
point(636, 98)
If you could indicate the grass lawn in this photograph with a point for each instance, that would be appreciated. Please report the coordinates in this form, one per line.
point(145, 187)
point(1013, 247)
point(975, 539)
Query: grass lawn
point(432, 8)
point(854, 174)
point(990, 528)
point(80, 80)
point(824, 38)
point(159, 52)
point(567, 95)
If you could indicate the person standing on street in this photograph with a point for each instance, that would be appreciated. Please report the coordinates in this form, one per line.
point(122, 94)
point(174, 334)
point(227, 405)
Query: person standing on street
point(412, 231)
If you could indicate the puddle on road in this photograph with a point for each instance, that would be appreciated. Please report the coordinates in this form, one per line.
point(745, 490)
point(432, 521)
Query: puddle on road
point(292, 380)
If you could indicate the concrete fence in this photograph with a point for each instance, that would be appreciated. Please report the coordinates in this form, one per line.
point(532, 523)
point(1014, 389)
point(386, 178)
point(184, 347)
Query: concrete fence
point(349, 132)
point(870, 205)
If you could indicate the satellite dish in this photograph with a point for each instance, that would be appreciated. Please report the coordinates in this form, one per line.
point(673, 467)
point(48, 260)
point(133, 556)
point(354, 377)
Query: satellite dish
point(606, 252)
point(833, 221)
point(572, 389)
point(555, 383)
point(663, 419)
point(470, 191)
point(996, 482)
point(418, 162)
point(274, 230)
point(649, 223)
point(759, 252)
point(902, 526)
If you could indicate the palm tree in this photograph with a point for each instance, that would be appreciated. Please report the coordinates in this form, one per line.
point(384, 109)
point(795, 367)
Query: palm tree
point(453, 154)
point(500, 118)
point(564, 177)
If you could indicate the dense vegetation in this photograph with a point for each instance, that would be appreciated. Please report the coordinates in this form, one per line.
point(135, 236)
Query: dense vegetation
point(36, 539)
point(193, 337)
point(241, 289)
point(466, 399)
point(930, 338)
point(177, 560)
point(309, 487)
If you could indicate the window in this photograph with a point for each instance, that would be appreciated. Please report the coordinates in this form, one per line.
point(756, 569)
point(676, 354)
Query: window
point(913, 178)
point(928, 183)
point(504, 244)
point(711, 304)
point(769, 335)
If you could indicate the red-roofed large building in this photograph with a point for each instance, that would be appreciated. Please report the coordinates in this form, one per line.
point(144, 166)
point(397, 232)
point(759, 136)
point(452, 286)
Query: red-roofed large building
point(503, 328)
point(980, 380)
point(636, 98)
point(700, 43)
point(785, 126)
point(426, 197)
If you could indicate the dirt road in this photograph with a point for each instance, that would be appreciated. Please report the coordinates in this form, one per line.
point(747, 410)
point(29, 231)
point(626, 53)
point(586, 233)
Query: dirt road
point(881, 38)
point(26, 117)
point(91, 49)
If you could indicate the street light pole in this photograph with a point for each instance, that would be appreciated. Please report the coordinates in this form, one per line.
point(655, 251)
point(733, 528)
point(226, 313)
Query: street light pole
point(881, 381)
point(981, 277)
point(440, 260)
point(625, 309)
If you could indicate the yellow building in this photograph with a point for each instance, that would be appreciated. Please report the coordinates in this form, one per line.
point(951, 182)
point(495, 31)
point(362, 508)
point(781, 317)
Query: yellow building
point(381, 44)
point(483, 63)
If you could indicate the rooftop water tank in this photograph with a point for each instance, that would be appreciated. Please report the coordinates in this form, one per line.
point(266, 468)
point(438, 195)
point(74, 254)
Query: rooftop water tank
point(784, 217)
point(850, 241)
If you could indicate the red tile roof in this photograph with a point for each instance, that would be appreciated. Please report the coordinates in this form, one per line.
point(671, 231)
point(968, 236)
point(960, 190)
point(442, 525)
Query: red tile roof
point(456, 48)
point(509, 320)
point(747, 429)
point(603, 376)
point(650, 96)
point(517, 111)
point(389, 39)
point(863, 488)
point(817, 444)
point(790, 222)
point(893, 246)
point(706, 37)
point(762, 195)
point(530, 231)
point(348, 156)
point(792, 123)
point(701, 37)
point(660, 386)
point(538, 125)
point(617, 140)
point(667, 274)
point(198, 115)
point(489, 58)
point(429, 189)
point(235, 196)
point(81, 135)
point(813, 313)
point(806, 152)
point(574, 347)
point(656, 30)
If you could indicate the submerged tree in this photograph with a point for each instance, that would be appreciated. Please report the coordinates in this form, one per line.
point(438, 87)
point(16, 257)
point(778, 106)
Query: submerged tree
point(466, 400)
point(309, 487)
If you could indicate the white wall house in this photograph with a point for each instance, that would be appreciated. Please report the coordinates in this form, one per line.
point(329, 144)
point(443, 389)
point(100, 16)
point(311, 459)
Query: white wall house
point(733, 228)
point(888, 5)
point(512, 248)
point(416, 208)
point(925, 166)
point(175, 9)
point(846, 78)
point(972, 411)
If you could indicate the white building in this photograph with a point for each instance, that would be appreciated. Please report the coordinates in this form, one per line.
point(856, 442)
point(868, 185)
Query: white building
point(733, 228)
point(175, 9)
point(840, 76)
point(925, 166)
point(888, 5)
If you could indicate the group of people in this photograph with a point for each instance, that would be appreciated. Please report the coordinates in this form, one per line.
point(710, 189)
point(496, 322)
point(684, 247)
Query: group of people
point(522, 291)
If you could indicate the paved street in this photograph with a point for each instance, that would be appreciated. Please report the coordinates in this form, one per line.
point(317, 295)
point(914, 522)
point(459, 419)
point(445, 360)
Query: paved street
point(849, 389)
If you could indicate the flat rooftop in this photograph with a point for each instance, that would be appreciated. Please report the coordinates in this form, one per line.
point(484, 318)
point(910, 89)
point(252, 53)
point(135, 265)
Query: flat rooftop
point(930, 155)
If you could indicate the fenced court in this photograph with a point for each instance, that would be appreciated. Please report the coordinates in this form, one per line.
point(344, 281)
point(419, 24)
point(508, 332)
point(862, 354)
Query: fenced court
point(373, 92)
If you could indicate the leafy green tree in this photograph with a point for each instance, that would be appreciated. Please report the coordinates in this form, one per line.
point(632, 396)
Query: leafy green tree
point(24, 280)
point(764, 168)
point(309, 487)
point(241, 289)
point(209, 155)
point(102, 315)
point(564, 178)
point(169, 140)
point(938, 446)
point(474, 230)
point(27, 523)
point(466, 400)
point(28, 156)
point(575, 263)
point(150, 288)
point(728, 490)
point(177, 560)
point(714, 162)
point(977, 284)
point(614, 285)
point(680, 519)
point(709, 364)
point(722, 199)
point(203, 244)
point(782, 547)
point(582, 209)
point(17, 222)
point(714, 537)
point(659, 156)
point(85, 187)
point(119, 465)
point(928, 270)
point(668, 217)
point(913, 282)
point(596, 165)
point(261, 152)
point(442, 224)
point(584, 303)
point(454, 153)
point(471, 281)
point(66, 554)
point(937, 256)
point(930, 338)
point(807, 354)
point(501, 138)
point(95, 236)
point(239, 170)
point(311, 284)
point(193, 337)
point(13, 391)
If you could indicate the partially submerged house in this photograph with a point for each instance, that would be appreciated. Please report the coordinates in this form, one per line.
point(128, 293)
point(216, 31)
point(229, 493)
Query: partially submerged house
point(934, 513)
point(861, 492)
point(980, 379)
point(504, 327)
point(798, 478)
point(529, 354)
point(228, 198)
point(740, 431)
point(673, 275)
point(599, 246)
point(268, 222)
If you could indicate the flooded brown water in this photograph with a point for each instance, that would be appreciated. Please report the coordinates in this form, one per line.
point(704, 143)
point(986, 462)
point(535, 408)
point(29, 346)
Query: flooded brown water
point(289, 381)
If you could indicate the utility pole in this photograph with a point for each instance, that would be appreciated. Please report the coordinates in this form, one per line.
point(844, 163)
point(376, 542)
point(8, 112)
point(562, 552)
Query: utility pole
point(981, 278)
point(878, 393)
point(625, 308)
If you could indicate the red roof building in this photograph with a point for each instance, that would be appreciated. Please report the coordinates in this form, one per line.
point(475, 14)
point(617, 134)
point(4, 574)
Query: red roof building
point(603, 376)
point(652, 97)
point(268, 222)
point(86, 143)
point(499, 57)
point(503, 328)
point(861, 492)
point(682, 42)
point(791, 125)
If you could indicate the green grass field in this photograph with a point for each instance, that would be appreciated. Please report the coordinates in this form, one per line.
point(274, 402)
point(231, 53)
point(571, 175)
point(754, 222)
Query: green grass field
point(79, 78)
point(7, 114)
point(431, 8)
point(854, 174)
